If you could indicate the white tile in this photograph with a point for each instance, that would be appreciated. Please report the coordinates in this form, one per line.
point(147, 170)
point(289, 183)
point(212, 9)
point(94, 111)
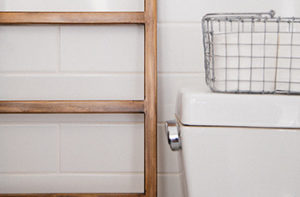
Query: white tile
point(194, 10)
point(105, 48)
point(168, 87)
point(102, 148)
point(71, 5)
point(170, 186)
point(70, 118)
point(72, 183)
point(29, 48)
point(28, 148)
point(167, 159)
point(180, 48)
point(69, 86)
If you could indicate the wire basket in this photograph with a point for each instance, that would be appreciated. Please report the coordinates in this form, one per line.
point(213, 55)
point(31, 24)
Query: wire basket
point(252, 53)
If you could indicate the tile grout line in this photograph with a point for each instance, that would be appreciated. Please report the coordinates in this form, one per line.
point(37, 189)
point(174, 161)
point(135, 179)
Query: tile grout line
point(59, 149)
point(58, 69)
point(86, 173)
point(83, 123)
point(97, 73)
point(81, 73)
point(179, 22)
point(92, 123)
point(77, 123)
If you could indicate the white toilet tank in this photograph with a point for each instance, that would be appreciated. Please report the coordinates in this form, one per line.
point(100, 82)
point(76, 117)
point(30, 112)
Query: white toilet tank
point(239, 145)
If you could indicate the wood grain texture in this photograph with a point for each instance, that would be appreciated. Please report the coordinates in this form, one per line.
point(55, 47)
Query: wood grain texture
point(73, 195)
point(150, 98)
point(72, 106)
point(72, 18)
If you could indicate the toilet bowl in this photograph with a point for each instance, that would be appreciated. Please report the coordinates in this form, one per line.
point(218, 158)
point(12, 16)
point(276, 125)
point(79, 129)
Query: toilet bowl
point(237, 145)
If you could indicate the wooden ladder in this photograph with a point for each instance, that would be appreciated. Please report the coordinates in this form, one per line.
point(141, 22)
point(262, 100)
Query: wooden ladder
point(148, 106)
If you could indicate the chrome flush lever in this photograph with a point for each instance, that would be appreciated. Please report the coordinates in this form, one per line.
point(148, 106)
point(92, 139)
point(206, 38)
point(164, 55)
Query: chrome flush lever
point(173, 135)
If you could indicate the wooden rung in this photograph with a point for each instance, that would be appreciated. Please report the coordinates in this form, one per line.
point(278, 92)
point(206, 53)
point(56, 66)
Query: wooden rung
point(100, 106)
point(74, 195)
point(72, 18)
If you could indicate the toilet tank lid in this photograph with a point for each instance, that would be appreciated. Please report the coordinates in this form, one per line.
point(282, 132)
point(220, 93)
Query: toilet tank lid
point(196, 108)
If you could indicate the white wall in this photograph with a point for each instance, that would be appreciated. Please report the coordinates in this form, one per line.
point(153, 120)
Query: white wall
point(98, 153)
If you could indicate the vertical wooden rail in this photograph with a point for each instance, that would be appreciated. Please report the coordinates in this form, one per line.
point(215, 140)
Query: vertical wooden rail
point(150, 98)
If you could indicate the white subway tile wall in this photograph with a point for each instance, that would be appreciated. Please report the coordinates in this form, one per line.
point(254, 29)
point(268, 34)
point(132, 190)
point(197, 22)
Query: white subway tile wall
point(95, 152)
point(28, 148)
point(75, 182)
point(120, 144)
point(82, 48)
point(29, 48)
point(72, 5)
point(71, 86)
point(179, 48)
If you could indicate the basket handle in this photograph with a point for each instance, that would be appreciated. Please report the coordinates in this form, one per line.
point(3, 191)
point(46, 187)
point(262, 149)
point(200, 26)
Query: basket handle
point(271, 14)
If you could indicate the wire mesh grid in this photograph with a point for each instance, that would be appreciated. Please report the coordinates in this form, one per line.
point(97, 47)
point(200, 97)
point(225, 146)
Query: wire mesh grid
point(252, 53)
